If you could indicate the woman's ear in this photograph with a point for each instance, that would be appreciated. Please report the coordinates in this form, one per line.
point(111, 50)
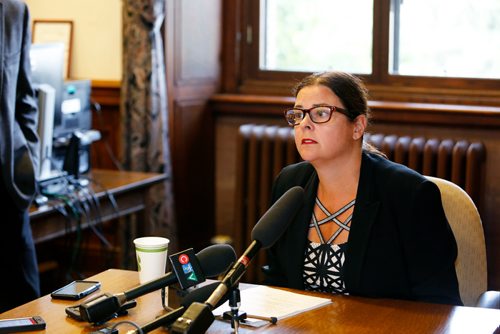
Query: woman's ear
point(360, 124)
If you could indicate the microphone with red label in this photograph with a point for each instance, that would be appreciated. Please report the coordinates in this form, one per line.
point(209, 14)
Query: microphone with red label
point(189, 269)
point(198, 317)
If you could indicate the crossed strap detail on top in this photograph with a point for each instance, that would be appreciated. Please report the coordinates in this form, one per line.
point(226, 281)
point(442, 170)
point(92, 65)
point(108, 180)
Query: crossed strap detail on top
point(332, 217)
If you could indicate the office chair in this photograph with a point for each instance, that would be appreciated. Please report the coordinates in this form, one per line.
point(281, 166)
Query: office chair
point(467, 228)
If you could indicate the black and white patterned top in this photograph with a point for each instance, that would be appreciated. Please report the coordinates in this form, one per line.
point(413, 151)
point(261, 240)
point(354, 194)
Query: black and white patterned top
point(323, 261)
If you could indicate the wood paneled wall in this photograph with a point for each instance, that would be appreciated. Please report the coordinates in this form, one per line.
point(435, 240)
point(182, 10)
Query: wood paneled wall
point(192, 39)
point(107, 121)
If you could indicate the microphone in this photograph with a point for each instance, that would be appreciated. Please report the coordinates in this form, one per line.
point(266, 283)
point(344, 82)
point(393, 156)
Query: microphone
point(197, 295)
point(213, 260)
point(198, 317)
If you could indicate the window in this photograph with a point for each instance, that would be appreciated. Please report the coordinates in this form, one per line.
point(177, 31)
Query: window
point(397, 46)
point(445, 38)
point(295, 39)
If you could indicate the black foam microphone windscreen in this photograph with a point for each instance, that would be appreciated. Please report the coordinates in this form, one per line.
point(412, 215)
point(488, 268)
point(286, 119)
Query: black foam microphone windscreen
point(201, 294)
point(214, 259)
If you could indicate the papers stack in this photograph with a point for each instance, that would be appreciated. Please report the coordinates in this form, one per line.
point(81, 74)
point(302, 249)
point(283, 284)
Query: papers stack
point(268, 302)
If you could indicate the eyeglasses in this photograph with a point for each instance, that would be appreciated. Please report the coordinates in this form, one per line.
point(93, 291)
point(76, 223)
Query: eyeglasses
point(319, 114)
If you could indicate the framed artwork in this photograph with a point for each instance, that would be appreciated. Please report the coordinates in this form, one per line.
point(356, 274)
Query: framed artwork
point(51, 31)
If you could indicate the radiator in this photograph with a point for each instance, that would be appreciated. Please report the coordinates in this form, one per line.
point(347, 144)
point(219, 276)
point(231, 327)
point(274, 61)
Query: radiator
point(263, 150)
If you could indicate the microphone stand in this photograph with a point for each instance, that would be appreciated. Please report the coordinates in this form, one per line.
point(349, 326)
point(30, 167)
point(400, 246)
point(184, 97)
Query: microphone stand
point(234, 304)
point(235, 316)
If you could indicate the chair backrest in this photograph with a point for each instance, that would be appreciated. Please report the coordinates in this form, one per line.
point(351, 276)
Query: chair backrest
point(467, 228)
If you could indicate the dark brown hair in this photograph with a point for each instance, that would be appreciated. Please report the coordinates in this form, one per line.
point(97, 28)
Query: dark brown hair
point(349, 89)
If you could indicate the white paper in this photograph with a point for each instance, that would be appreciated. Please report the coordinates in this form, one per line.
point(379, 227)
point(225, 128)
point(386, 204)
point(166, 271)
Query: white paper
point(271, 302)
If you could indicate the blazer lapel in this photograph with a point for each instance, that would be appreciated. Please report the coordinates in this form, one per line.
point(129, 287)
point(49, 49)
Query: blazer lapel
point(365, 213)
point(299, 229)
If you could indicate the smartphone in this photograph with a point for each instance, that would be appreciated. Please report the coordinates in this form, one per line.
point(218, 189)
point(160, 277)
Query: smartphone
point(76, 290)
point(21, 324)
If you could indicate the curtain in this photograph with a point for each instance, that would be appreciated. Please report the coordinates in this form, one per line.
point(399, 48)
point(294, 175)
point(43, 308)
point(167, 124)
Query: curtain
point(143, 110)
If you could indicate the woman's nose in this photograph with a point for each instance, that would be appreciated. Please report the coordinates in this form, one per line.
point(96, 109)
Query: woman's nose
point(306, 121)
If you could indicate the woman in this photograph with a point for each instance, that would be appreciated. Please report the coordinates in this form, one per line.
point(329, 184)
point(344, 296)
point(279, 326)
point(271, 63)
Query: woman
point(369, 227)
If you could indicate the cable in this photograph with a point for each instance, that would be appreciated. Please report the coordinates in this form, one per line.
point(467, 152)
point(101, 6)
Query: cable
point(69, 210)
point(110, 197)
point(95, 203)
point(97, 207)
point(75, 201)
point(82, 203)
point(72, 200)
point(97, 108)
point(139, 330)
point(87, 203)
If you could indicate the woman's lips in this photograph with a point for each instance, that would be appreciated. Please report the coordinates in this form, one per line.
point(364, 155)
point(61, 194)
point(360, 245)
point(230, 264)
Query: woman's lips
point(308, 141)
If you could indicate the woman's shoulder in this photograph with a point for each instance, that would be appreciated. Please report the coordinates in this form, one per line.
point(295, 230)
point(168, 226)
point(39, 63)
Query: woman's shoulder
point(387, 167)
point(398, 184)
point(392, 174)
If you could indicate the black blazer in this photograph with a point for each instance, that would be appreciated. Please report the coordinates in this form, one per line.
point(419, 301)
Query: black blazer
point(18, 106)
point(400, 244)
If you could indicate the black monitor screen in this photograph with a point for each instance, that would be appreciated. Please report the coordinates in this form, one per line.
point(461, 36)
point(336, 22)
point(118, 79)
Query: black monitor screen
point(47, 64)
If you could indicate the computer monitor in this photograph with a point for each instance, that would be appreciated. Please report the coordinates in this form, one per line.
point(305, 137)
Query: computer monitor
point(72, 114)
point(47, 67)
point(46, 103)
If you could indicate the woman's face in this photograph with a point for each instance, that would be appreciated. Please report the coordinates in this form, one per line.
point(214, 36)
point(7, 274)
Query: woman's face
point(328, 141)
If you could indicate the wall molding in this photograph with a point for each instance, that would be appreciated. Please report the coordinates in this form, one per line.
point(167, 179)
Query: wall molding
point(382, 111)
point(106, 93)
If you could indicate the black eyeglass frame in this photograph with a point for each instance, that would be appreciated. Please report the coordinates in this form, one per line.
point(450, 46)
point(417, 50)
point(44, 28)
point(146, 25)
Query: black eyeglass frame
point(308, 111)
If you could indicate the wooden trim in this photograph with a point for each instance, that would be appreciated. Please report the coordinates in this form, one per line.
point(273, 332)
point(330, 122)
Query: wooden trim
point(435, 95)
point(106, 92)
point(394, 92)
point(230, 44)
point(106, 83)
point(380, 40)
point(435, 114)
point(391, 112)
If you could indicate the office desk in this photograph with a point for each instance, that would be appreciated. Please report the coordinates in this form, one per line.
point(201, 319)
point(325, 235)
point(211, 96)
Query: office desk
point(128, 188)
point(346, 314)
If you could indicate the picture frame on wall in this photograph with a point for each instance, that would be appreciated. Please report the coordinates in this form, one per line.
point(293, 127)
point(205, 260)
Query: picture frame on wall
point(55, 31)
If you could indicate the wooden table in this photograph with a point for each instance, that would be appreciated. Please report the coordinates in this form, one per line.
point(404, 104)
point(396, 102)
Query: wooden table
point(345, 315)
point(128, 188)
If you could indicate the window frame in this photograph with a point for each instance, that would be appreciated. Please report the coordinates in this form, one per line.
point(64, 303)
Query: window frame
point(241, 73)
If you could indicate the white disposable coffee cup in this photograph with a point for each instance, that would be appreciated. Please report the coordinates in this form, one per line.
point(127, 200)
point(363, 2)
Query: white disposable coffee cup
point(151, 253)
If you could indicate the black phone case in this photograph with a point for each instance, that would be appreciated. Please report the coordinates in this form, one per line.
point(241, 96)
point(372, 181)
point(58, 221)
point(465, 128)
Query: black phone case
point(58, 295)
